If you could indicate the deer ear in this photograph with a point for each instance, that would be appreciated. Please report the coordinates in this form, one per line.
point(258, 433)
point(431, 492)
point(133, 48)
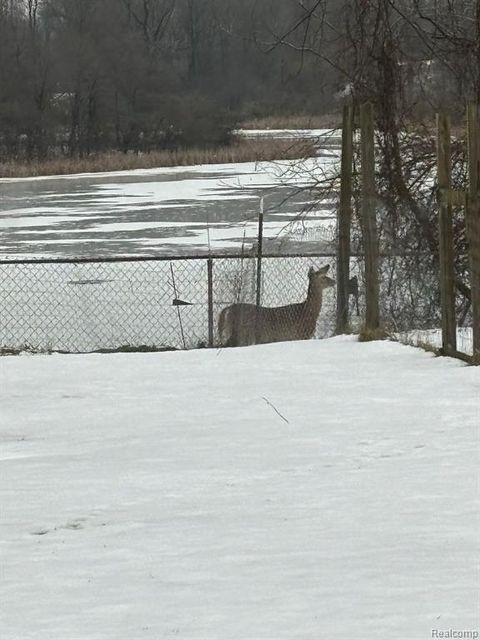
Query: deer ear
point(311, 271)
point(324, 269)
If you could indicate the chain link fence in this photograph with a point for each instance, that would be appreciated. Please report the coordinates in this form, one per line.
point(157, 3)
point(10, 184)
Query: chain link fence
point(174, 303)
point(410, 305)
point(88, 305)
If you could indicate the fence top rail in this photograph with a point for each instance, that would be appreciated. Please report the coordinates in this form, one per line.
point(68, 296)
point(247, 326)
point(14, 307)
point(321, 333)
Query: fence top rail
point(201, 256)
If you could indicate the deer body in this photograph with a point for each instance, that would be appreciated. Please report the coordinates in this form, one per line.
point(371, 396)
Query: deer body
point(244, 324)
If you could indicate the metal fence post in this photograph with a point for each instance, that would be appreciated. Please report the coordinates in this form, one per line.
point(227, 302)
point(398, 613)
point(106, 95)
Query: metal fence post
point(210, 301)
point(259, 269)
point(259, 255)
point(445, 235)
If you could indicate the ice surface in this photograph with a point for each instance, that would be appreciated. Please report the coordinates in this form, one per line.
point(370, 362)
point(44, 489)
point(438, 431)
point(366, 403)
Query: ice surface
point(131, 210)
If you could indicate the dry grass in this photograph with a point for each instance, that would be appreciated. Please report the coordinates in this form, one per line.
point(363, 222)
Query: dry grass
point(241, 150)
point(425, 346)
point(326, 121)
point(369, 335)
point(6, 351)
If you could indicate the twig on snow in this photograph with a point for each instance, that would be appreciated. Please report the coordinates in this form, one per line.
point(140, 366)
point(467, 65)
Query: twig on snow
point(275, 409)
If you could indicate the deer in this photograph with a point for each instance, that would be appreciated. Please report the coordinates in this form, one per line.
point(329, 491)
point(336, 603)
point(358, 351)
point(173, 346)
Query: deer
point(243, 324)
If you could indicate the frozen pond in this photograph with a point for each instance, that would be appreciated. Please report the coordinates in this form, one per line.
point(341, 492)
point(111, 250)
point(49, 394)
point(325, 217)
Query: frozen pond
point(165, 211)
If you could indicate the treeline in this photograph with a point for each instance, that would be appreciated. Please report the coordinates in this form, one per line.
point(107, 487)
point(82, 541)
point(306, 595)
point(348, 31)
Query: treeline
point(83, 76)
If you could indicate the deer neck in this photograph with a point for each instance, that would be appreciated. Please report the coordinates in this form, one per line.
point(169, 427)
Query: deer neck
point(314, 298)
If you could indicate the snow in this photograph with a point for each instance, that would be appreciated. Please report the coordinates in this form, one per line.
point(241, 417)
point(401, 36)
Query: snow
point(164, 495)
point(433, 337)
point(325, 135)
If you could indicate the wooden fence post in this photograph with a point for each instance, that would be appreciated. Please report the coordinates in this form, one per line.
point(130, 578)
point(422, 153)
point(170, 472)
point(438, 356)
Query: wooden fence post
point(344, 222)
point(210, 301)
point(472, 215)
point(369, 218)
point(445, 236)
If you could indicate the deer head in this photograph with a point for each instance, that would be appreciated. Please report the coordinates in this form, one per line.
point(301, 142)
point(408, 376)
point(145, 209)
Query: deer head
point(319, 278)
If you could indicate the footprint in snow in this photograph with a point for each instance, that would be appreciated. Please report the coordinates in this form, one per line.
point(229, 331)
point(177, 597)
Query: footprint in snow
point(75, 524)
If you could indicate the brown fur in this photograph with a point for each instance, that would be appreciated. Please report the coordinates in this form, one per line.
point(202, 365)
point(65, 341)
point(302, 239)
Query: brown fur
point(243, 324)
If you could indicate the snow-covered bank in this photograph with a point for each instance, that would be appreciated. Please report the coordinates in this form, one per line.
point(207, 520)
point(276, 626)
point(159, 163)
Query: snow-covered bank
point(321, 135)
point(310, 490)
point(270, 168)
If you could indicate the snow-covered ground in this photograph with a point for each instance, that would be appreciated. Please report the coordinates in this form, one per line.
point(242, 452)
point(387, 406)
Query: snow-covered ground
point(325, 489)
point(323, 136)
